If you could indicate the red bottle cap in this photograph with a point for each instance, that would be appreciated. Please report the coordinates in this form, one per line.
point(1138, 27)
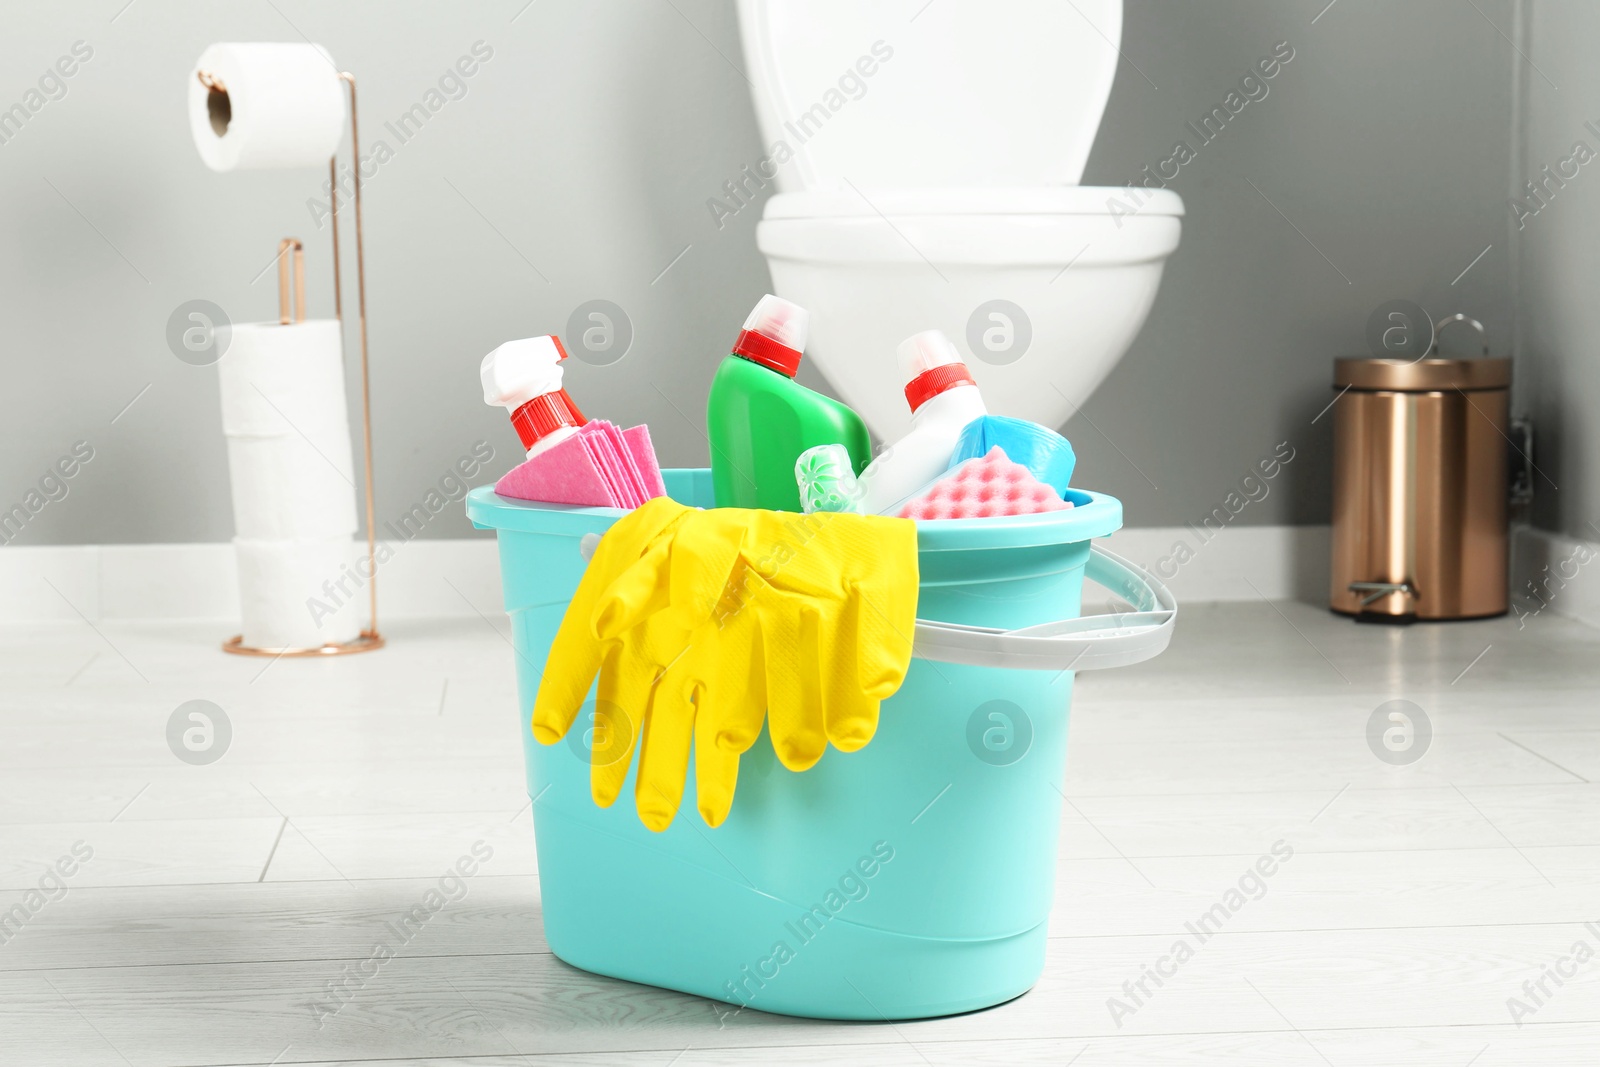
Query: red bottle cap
point(544, 415)
point(774, 335)
point(761, 349)
point(929, 384)
point(930, 364)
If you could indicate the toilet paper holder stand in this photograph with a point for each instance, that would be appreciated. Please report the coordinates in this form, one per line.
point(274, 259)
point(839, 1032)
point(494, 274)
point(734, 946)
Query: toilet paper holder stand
point(291, 251)
point(369, 638)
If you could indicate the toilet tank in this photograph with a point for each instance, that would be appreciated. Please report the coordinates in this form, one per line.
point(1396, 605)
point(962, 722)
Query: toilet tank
point(929, 93)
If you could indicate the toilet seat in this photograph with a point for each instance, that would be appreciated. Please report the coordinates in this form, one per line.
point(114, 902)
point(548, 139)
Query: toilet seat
point(1035, 200)
point(1001, 227)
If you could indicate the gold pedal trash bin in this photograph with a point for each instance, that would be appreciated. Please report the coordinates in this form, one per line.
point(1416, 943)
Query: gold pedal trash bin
point(1420, 490)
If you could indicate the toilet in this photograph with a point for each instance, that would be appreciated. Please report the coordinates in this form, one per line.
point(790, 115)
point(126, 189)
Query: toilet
point(927, 157)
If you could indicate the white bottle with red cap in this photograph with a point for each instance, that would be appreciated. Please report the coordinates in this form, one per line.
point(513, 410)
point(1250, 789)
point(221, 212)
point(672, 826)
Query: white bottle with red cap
point(524, 377)
point(943, 399)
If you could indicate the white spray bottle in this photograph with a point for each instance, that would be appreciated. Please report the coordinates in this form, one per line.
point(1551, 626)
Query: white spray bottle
point(524, 377)
point(943, 399)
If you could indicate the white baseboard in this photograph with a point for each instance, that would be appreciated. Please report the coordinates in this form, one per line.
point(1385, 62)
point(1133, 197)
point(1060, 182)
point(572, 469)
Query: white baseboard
point(1237, 563)
point(1554, 573)
point(1549, 573)
point(457, 577)
point(461, 577)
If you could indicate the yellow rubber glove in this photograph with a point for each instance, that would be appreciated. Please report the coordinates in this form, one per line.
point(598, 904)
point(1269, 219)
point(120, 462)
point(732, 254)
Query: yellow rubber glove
point(847, 648)
point(674, 669)
point(575, 654)
point(629, 570)
point(689, 681)
point(699, 622)
point(833, 602)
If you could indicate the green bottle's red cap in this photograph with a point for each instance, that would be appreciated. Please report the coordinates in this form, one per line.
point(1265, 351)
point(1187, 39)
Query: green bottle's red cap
point(774, 335)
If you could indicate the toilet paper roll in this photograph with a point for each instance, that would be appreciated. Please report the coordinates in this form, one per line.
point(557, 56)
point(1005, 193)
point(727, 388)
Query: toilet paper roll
point(267, 106)
point(299, 594)
point(283, 411)
point(284, 489)
point(277, 380)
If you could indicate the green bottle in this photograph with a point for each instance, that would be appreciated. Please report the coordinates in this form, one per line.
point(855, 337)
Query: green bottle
point(759, 419)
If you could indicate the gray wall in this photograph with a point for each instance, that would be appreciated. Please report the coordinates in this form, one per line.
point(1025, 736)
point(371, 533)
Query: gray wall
point(1384, 143)
point(1561, 271)
point(577, 167)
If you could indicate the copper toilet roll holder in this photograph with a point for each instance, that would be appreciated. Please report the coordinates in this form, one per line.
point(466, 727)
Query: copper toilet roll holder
point(221, 109)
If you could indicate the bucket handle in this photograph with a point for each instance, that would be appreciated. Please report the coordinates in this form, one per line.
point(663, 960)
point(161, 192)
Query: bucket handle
point(1094, 642)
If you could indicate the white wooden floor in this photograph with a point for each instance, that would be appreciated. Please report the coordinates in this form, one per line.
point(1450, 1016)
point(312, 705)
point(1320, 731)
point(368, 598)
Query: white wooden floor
point(221, 900)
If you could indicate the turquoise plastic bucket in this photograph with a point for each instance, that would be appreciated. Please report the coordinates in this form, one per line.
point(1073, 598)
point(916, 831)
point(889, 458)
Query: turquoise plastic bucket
point(913, 878)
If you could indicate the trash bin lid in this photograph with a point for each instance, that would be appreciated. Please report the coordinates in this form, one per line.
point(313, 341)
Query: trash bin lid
point(1423, 375)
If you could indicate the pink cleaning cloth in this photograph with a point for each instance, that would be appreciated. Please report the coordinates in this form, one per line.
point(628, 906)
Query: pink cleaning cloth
point(627, 470)
point(984, 487)
point(601, 466)
point(566, 473)
point(609, 461)
point(644, 460)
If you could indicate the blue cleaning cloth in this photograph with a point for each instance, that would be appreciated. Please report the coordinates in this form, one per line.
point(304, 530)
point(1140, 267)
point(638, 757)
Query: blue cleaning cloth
point(1044, 452)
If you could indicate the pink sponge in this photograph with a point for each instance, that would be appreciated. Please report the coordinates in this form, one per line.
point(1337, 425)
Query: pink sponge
point(983, 487)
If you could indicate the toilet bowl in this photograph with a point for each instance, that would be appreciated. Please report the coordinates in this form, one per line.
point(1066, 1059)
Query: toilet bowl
point(927, 175)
